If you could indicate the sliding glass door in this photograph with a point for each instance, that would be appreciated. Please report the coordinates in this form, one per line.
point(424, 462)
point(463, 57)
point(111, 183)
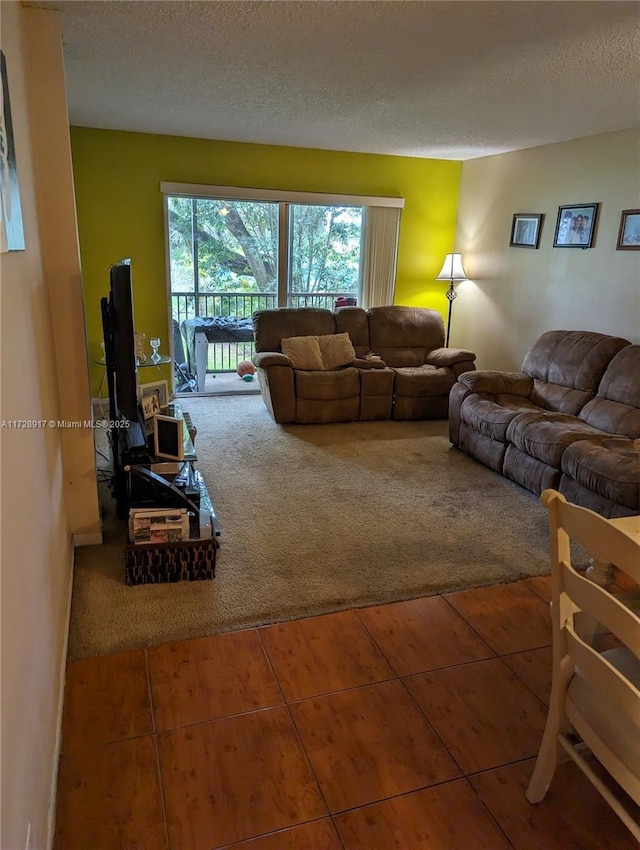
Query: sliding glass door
point(324, 254)
point(222, 257)
point(229, 258)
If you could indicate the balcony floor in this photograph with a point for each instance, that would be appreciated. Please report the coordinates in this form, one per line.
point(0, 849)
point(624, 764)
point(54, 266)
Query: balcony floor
point(227, 383)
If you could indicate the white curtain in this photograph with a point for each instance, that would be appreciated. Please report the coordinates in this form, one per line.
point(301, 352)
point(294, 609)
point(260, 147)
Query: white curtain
point(380, 253)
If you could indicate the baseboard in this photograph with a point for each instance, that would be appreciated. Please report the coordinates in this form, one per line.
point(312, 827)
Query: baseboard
point(94, 539)
point(51, 818)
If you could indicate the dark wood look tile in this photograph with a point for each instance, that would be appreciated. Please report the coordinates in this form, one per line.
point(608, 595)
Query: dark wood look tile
point(534, 668)
point(510, 617)
point(237, 778)
point(423, 634)
point(623, 583)
point(106, 699)
point(541, 586)
point(317, 835)
point(369, 743)
point(572, 816)
point(109, 796)
point(483, 713)
point(442, 818)
point(323, 654)
point(211, 677)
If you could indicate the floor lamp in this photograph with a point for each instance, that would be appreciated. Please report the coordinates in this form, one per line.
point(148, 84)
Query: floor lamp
point(452, 271)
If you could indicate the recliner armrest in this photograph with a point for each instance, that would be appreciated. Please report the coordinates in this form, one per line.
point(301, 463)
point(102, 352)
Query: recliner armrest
point(449, 356)
point(497, 383)
point(264, 359)
point(372, 363)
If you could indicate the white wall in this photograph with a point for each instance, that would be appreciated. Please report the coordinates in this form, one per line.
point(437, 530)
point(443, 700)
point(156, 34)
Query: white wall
point(47, 475)
point(515, 294)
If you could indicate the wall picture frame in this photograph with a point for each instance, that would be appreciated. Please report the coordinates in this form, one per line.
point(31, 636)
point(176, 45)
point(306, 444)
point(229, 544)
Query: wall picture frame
point(576, 226)
point(161, 387)
point(11, 224)
point(629, 232)
point(525, 230)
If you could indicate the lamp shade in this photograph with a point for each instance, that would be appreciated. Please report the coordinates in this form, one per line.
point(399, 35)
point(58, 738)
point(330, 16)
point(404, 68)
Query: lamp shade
point(452, 268)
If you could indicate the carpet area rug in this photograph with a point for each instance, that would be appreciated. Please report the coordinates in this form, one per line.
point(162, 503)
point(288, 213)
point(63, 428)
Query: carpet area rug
point(315, 519)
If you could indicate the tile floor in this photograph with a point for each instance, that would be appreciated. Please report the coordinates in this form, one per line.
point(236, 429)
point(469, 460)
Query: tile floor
point(406, 726)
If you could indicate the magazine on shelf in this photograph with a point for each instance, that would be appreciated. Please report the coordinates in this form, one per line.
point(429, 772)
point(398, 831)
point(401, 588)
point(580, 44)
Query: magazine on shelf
point(158, 525)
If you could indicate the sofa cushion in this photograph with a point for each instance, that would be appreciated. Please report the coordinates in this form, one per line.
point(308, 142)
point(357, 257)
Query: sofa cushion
point(567, 367)
point(616, 407)
point(482, 448)
point(491, 415)
point(325, 352)
point(610, 468)
point(422, 381)
point(611, 416)
point(402, 358)
point(557, 397)
point(327, 385)
point(545, 435)
point(402, 336)
point(579, 495)
point(271, 326)
point(529, 472)
point(354, 321)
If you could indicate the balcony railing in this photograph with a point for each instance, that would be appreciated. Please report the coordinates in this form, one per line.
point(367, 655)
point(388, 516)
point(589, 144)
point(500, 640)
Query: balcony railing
point(225, 356)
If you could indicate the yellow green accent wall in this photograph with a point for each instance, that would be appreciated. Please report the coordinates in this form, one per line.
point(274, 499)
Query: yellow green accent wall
point(120, 213)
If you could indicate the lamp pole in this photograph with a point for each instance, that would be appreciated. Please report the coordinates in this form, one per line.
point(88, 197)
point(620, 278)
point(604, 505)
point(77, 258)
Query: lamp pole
point(451, 296)
point(451, 270)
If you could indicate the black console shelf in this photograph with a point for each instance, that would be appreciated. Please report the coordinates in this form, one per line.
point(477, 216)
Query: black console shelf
point(181, 541)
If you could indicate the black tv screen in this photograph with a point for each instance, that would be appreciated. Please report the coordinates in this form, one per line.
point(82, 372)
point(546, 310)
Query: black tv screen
point(122, 329)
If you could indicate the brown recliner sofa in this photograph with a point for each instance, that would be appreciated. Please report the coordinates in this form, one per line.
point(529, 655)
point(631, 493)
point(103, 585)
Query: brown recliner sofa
point(398, 367)
point(570, 420)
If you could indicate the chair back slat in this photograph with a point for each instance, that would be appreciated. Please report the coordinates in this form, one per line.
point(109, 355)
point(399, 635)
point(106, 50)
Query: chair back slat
point(608, 683)
point(593, 694)
point(603, 541)
point(603, 607)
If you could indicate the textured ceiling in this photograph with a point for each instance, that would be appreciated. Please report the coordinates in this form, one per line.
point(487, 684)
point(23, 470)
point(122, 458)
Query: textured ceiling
point(451, 80)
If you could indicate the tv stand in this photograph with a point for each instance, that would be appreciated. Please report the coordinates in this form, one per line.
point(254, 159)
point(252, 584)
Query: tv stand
point(159, 485)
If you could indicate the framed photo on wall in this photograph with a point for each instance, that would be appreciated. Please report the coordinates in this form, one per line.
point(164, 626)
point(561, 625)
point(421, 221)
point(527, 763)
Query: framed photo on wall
point(525, 230)
point(576, 226)
point(629, 233)
point(11, 226)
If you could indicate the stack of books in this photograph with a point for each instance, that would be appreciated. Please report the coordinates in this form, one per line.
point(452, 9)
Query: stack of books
point(158, 525)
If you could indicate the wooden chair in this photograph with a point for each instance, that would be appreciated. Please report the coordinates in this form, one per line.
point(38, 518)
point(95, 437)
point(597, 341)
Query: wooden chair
point(594, 696)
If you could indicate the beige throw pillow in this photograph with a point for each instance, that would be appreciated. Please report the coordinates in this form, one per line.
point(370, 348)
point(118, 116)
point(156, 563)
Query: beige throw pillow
point(336, 350)
point(303, 351)
point(317, 353)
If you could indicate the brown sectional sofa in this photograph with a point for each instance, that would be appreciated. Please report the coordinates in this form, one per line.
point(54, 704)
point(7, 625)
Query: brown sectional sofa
point(399, 369)
point(570, 420)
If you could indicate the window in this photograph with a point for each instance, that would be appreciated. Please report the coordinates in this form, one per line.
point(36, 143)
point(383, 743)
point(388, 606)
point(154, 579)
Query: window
point(223, 255)
point(324, 254)
point(234, 251)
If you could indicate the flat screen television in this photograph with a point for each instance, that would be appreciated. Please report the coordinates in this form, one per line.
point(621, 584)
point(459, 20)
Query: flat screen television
point(122, 342)
point(127, 431)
